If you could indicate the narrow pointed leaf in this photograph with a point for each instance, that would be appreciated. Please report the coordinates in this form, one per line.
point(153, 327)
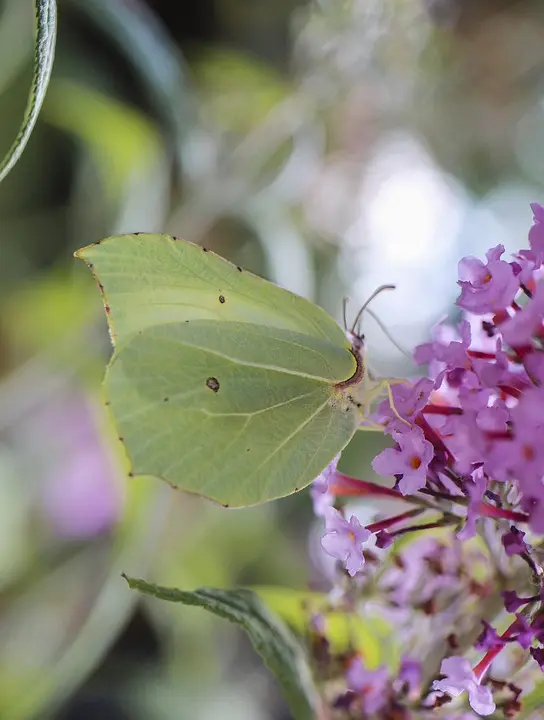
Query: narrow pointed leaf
point(44, 52)
point(269, 636)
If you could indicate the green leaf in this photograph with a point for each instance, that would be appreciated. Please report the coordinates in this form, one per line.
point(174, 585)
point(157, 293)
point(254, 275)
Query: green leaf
point(269, 636)
point(46, 31)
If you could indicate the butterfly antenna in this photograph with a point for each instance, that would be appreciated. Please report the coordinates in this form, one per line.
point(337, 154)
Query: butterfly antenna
point(344, 306)
point(366, 304)
point(388, 334)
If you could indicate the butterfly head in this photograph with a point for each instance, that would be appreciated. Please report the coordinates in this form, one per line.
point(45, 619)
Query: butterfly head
point(354, 333)
point(357, 341)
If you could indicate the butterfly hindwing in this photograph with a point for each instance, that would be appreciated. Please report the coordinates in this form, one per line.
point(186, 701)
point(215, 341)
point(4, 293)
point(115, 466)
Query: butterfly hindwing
point(241, 417)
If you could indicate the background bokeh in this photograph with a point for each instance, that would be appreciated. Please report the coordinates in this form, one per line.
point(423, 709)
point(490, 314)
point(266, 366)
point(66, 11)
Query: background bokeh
point(328, 145)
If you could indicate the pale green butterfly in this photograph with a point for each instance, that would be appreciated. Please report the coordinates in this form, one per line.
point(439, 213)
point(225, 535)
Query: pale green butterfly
point(222, 383)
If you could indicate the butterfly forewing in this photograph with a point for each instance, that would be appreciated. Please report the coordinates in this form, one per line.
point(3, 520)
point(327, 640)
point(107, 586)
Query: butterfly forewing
point(152, 279)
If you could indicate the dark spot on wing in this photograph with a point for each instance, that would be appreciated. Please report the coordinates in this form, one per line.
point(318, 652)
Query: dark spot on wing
point(204, 249)
point(213, 384)
point(166, 399)
point(130, 473)
point(239, 268)
point(221, 299)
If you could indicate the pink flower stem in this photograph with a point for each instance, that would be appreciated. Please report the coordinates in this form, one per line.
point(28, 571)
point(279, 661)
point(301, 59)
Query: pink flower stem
point(459, 499)
point(388, 522)
point(346, 485)
point(481, 355)
point(526, 290)
point(496, 512)
point(512, 391)
point(442, 410)
point(423, 526)
point(480, 669)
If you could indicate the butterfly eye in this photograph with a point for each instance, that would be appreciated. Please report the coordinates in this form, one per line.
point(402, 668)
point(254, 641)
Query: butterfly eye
point(357, 341)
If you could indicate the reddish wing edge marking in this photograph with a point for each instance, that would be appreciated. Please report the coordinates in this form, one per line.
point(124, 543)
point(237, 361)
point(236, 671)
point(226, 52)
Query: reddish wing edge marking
point(357, 375)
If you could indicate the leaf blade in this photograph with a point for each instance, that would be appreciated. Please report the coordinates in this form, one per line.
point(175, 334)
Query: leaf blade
point(269, 636)
point(46, 32)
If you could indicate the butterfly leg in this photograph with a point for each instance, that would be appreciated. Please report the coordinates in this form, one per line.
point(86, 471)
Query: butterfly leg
point(380, 387)
point(368, 425)
point(388, 384)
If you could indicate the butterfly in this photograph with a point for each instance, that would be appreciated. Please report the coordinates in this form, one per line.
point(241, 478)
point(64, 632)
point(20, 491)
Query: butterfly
point(223, 383)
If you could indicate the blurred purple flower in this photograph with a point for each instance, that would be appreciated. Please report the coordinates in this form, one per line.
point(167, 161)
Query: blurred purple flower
point(317, 623)
point(470, 435)
point(522, 632)
point(513, 542)
point(536, 233)
point(476, 488)
point(460, 678)
point(534, 365)
point(537, 654)
point(488, 639)
point(411, 460)
point(518, 329)
point(81, 493)
point(371, 685)
point(410, 674)
point(487, 287)
point(322, 497)
point(344, 540)
point(454, 353)
point(409, 400)
point(512, 601)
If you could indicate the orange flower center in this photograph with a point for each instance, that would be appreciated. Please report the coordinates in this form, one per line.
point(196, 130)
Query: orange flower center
point(415, 462)
point(528, 452)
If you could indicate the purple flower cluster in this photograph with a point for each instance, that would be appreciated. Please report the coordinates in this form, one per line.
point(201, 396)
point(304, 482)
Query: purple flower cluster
point(468, 457)
point(378, 691)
